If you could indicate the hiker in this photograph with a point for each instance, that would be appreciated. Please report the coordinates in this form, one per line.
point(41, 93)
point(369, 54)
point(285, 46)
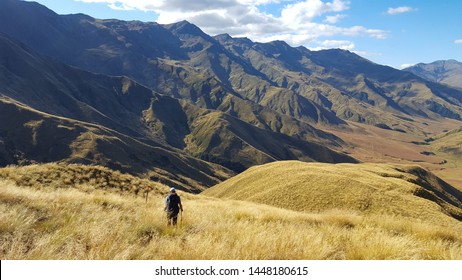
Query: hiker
point(173, 207)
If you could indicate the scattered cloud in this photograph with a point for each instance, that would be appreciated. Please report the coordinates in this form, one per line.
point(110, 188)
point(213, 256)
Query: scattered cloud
point(400, 10)
point(120, 7)
point(301, 22)
point(406, 65)
point(458, 41)
point(368, 54)
point(333, 44)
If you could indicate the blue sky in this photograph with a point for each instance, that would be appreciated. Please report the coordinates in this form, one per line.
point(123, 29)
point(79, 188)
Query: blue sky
point(393, 32)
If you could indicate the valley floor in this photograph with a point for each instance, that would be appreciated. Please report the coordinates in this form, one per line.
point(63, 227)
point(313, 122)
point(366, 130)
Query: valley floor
point(376, 145)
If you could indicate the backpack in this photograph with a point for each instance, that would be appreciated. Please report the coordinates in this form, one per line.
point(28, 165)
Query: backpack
point(172, 202)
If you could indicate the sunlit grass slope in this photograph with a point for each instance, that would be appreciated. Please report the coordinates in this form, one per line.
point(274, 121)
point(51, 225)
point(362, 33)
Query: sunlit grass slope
point(406, 191)
point(87, 221)
point(449, 142)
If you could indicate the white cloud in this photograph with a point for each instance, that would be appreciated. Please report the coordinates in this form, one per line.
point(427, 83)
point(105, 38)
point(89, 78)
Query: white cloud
point(259, 2)
point(334, 44)
point(300, 22)
point(368, 54)
point(406, 65)
point(334, 19)
point(400, 10)
point(458, 41)
point(306, 11)
point(120, 6)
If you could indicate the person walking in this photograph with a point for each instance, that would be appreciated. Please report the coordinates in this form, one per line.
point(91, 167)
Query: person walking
point(173, 207)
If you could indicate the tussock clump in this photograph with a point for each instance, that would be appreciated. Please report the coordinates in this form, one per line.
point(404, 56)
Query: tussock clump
point(83, 177)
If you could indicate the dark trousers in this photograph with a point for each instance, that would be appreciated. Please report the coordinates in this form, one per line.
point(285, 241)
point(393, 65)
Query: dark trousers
point(172, 217)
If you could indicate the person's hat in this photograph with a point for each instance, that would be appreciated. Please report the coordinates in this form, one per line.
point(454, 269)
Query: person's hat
point(172, 190)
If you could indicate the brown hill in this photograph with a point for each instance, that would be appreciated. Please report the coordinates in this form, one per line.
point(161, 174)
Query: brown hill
point(371, 189)
point(448, 146)
point(449, 142)
point(30, 136)
point(54, 176)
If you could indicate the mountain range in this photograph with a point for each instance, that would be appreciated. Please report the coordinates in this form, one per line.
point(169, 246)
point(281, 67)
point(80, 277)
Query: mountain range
point(128, 113)
point(182, 61)
point(447, 72)
point(175, 104)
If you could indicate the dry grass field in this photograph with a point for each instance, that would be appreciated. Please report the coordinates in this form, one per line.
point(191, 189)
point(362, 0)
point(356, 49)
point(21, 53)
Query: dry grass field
point(46, 220)
point(405, 191)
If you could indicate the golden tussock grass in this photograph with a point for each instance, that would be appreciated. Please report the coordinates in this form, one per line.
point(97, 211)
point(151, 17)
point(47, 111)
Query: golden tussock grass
point(53, 176)
point(76, 223)
point(408, 192)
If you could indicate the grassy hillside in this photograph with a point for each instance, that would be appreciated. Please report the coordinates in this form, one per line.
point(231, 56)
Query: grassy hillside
point(224, 139)
point(121, 105)
point(449, 142)
point(31, 136)
point(372, 189)
point(448, 146)
point(43, 217)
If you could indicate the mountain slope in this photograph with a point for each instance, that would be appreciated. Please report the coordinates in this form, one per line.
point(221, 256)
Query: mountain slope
point(235, 144)
point(121, 104)
point(448, 146)
point(31, 136)
point(447, 72)
point(449, 142)
point(154, 55)
point(370, 189)
point(346, 84)
point(58, 89)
